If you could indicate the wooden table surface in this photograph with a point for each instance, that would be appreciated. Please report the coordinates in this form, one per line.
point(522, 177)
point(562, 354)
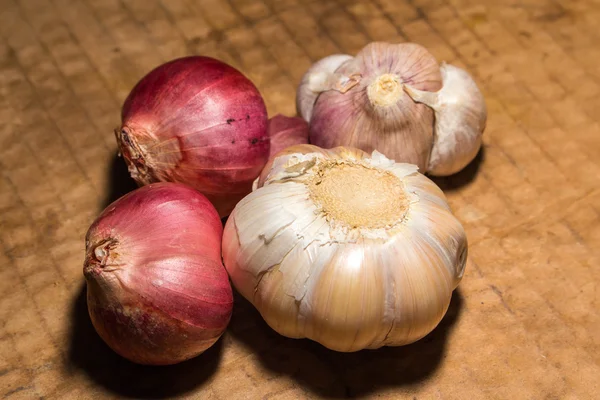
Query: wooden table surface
point(525, 321)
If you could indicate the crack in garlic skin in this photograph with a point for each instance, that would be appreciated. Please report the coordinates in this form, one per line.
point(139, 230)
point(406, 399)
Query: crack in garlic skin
point(348, 288)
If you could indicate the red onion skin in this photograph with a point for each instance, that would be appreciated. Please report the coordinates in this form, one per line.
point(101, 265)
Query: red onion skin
point(198, 121)
point(285, 132)
point(157, 290)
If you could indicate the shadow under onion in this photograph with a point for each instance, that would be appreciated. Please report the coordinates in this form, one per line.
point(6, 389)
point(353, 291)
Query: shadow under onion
point(331, 374)
point(463, 177)
point(89, 353)
point(120, 181)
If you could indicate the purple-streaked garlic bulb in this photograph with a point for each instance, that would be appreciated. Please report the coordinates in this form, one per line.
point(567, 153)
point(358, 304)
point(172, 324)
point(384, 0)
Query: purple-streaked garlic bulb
point(396, 99)
point(365, 105)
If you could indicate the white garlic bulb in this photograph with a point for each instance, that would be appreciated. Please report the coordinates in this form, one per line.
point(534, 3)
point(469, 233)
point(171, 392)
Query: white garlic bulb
point(348, 249)
point(460, 119)
point(319, 77)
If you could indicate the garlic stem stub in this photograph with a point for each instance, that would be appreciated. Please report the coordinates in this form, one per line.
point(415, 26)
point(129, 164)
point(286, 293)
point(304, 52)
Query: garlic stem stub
point(351, 250)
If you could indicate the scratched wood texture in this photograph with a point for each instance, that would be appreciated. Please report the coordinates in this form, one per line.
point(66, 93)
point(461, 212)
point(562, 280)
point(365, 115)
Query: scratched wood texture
point(525, 322)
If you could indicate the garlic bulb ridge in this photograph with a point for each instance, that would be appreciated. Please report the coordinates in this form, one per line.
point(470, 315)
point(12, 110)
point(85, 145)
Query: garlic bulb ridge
point(349, 249)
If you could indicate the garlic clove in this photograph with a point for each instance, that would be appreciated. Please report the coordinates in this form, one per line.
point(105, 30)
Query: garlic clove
point(460, 119)
point(318, 78)
point(346, 302)
point(375, 113)
point(233, 252)
point(276, 306)
point(422, 293)
point(444, 237)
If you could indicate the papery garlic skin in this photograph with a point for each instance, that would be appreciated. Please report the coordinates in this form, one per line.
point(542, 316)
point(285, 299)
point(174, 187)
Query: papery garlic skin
point(348, 249)
point(460, 119)
point(368, 108)
point(319, 77)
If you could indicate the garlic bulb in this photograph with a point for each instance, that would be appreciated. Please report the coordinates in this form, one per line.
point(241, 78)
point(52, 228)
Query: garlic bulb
point(319, 77)
point(460, 119)
point(348, 249)
point(367, 108)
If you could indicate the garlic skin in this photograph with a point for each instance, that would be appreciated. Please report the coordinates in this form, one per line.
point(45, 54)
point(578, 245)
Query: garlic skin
point(319, 77)
point(368, 109)
point(460, 119)
point(351, 250)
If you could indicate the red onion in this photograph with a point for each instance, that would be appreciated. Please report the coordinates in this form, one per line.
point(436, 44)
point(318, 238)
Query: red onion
point(198, 121)
point(286, 131)
point(157, 290)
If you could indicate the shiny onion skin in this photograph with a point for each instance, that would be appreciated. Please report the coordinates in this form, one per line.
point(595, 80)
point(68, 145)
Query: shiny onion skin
point(285, 132)
point(157, 291)
point(198, 121)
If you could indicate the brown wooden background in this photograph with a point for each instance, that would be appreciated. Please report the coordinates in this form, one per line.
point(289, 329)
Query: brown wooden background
point(524, 323)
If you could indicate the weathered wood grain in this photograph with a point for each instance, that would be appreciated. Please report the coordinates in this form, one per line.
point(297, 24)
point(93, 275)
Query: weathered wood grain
point(525, 321)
